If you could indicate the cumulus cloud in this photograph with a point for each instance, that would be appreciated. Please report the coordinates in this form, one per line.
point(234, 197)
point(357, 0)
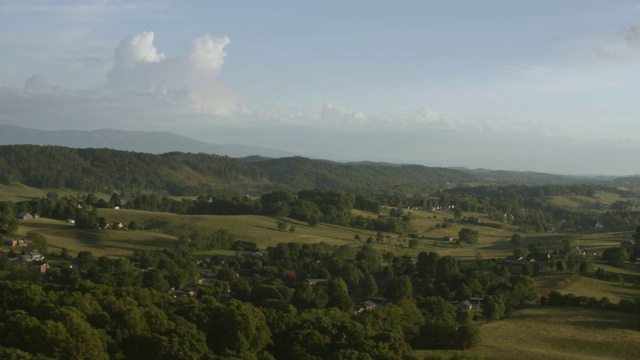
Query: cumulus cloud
point(189, 79)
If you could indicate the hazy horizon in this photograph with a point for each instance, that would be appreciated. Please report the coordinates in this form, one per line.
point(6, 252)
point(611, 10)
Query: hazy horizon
point(546, 86)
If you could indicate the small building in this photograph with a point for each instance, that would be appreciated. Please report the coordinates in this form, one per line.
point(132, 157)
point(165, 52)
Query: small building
point(369, 305)
point(598, 226)
point(448, 238)
point(25, 216)
point(40, 268)
point(11, 242)
point(471, 304)
point(464, 305)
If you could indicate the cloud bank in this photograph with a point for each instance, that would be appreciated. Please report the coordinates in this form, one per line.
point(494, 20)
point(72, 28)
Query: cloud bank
point(189, 79)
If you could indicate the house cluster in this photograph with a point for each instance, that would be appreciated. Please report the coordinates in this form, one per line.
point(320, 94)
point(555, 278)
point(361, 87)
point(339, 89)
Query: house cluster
point(434, 208)
point(15, 242)
point(112, 225)
point(33, 260)
point(519, 260)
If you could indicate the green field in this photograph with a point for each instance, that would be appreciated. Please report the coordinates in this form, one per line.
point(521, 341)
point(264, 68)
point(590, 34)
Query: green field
point(548, 333)
point(561, 333)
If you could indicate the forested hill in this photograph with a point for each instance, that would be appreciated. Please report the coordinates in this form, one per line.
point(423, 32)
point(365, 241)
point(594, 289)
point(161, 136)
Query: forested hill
point(196, 174)
point(532, 178)
point(303, 173)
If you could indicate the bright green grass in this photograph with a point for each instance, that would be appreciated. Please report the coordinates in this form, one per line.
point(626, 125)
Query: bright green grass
point(587, 286)
point(561, 333)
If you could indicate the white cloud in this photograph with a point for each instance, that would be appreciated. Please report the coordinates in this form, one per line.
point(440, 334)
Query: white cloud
point(189, 78)
point(134, 49)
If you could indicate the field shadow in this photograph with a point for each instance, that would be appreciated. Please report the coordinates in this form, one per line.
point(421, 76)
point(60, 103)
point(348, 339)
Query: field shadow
point(48, 226)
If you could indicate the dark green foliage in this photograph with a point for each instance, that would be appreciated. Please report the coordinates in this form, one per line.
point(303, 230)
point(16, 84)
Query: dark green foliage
point(468, 236)
point(615, 255)
point(8, 219)
point(338, 294)
point(399, 288)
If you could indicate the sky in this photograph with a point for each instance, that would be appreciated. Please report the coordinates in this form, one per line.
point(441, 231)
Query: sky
point(546, 86)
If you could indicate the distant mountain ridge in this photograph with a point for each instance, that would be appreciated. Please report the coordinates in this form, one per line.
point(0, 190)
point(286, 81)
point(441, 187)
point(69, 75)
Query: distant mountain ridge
point(139, 141)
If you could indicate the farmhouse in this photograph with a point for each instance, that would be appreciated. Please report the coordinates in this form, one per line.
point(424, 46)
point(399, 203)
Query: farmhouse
point(25, 216)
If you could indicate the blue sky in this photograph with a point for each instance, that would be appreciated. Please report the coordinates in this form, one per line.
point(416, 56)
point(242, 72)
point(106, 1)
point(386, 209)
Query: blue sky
point(545, 86)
